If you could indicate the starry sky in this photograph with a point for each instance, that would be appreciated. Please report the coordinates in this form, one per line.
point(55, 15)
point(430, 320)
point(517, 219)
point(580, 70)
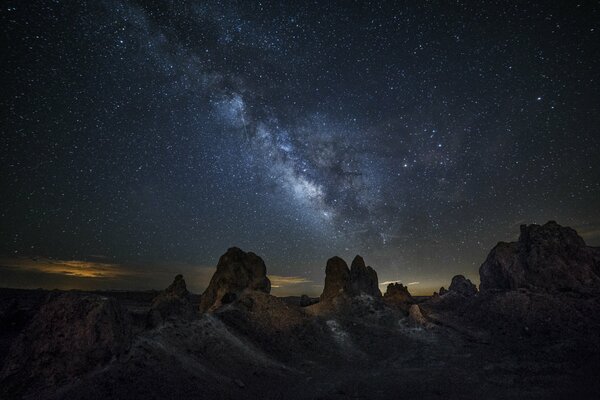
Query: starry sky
point(141, 139)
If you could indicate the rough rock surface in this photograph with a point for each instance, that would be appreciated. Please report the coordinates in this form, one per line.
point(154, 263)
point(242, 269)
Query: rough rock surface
point(415, 317)
point(174, 301)
point(337, 278)
point(71, 334)
point(363, 279)
point(358, 280)
point(462, 285)
point(443, 291)
point(548, 257)
point(236, 271)
point(397, 295)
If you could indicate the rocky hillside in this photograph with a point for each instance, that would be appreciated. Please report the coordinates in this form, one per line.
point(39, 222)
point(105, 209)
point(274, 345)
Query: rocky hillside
point(530, 332)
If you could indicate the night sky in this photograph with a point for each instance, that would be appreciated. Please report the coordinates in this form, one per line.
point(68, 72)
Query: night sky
point(141, 139)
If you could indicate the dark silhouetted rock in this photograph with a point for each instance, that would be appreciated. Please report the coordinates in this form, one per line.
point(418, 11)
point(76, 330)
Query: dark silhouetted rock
point(340, 280)
point(462, 285)
point(236, 271)
point(174, 301)
point(337, 278)
point(71, 335)
point(443, 291)
point(549, 257)
point(306, 301)
point(363, 279)
point(397, 295)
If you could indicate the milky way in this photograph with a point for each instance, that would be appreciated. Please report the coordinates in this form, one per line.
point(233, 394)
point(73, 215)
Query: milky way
point(160, 133)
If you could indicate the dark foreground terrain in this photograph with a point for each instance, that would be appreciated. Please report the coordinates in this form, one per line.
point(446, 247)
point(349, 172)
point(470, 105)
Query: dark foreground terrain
point(530, 332)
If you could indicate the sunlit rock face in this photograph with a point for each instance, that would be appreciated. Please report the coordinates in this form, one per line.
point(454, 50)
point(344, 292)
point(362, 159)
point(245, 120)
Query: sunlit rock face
point(415, 316)
point(71, 335)
point(236, 271)
point(174, 301)
point(549, 257)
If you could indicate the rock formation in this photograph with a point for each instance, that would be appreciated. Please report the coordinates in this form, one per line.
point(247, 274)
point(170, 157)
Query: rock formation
point(363, 279)
point(236, 271)
point(462, 285)
point(174, 301)
point(443, 291)
point(359, 279)
point(306, 301)
point(548, 257)
point(337, 278)
point(71, 334)
point(415, 317)
point(397, 295)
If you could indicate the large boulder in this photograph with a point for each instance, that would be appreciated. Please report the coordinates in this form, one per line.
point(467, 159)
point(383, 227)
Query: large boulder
point(72, 334)
point(363, 279)
point(172, 302)
point(337, 278)
point(547, 257)
point(461, 285)
point(236, 272)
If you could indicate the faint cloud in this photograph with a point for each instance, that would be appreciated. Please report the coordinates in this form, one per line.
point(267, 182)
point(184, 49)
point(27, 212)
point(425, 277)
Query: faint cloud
point(76, 268)
point(385, 283)
point(278, 281)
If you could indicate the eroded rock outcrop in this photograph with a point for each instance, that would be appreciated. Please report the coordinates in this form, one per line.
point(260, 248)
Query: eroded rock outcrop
point(236, 272)
point(363, 278)
point(174, 301)
point(462, 285)
point(337, 278)
point(548, 257)
point(71, 335)
point(397, 295)
point(354, 281)
point(415, 316)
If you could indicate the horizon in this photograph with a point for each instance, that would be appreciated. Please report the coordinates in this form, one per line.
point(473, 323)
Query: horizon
point(36, 272)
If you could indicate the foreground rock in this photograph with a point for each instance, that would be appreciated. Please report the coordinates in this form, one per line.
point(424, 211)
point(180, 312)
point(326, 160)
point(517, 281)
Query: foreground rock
point(173, 302)
point(236, 272)
point(415, 317)
point(71, 335)
point(547, 257)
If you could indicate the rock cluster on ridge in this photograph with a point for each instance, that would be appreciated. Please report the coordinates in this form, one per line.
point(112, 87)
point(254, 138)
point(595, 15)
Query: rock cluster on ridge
point(549, 257)
point(363, 278)
point(340, 280)
point(461, 285)
point(397, 295)
point(174, 301)
point(236, 272)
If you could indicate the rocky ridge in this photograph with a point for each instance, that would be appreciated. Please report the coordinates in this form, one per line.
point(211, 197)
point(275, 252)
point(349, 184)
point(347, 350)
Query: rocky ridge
point(236, 272)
